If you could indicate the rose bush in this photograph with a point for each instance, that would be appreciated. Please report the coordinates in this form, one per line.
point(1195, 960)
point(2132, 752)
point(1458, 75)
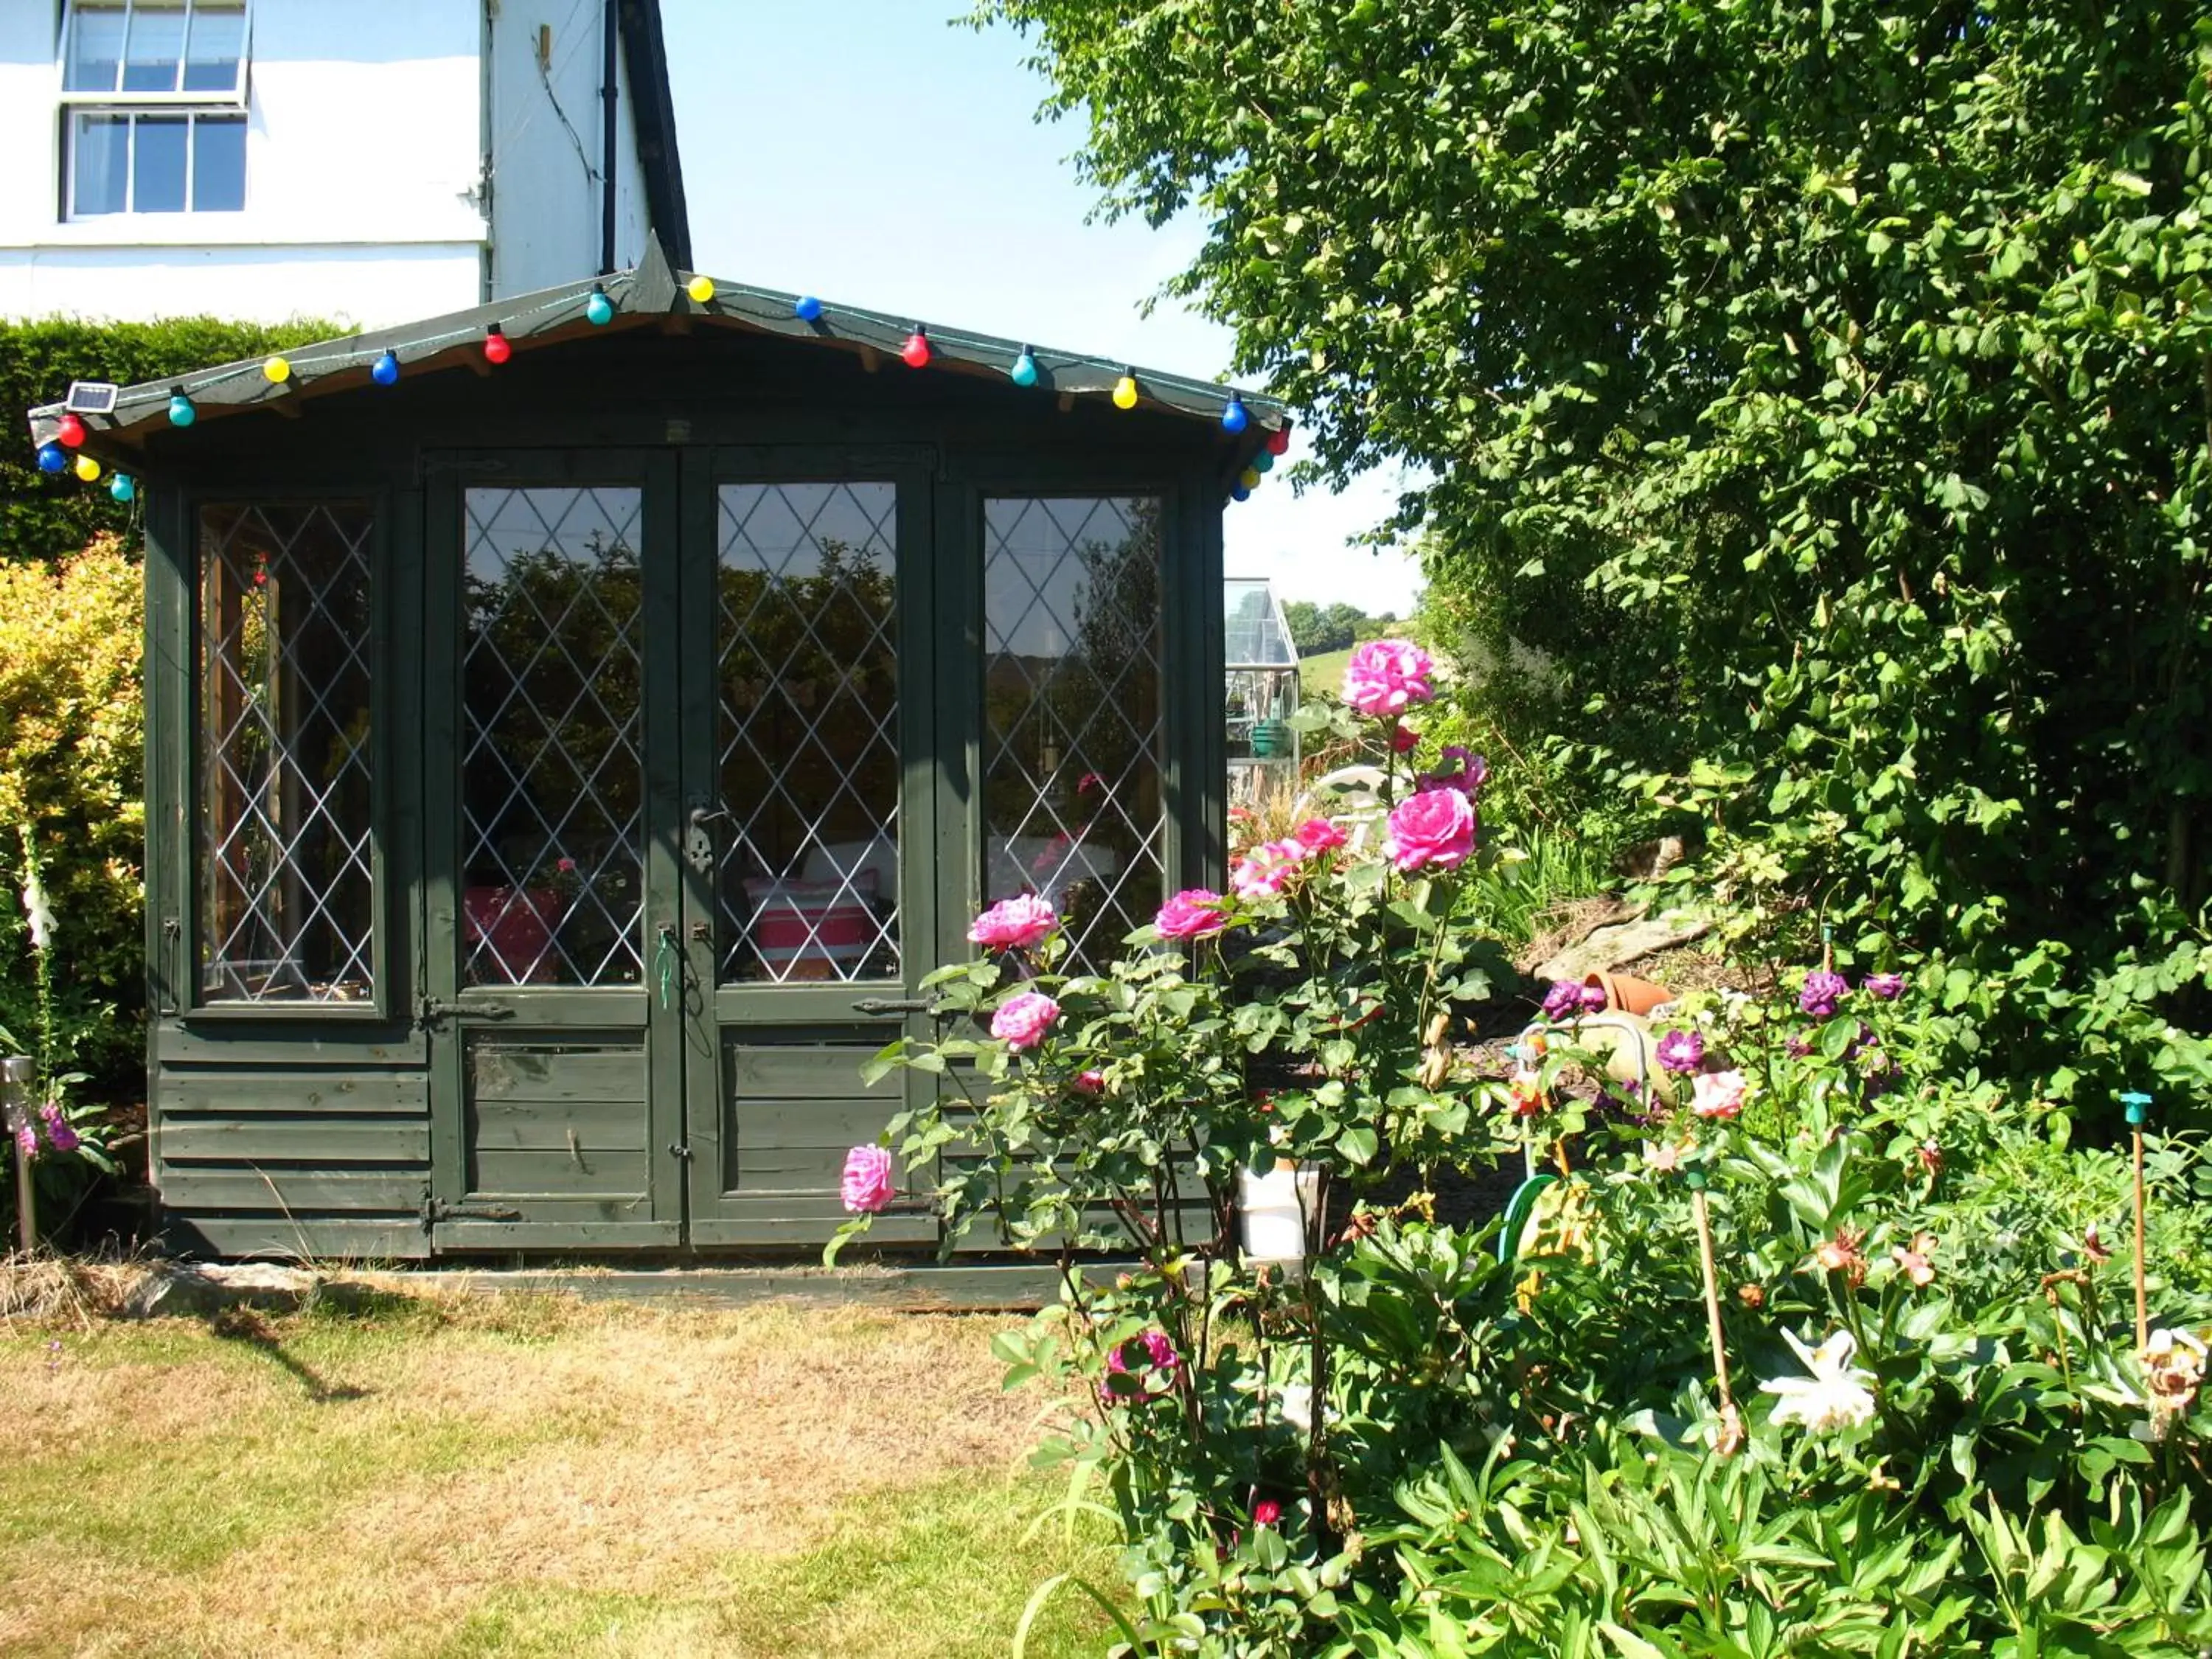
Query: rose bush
point(1800, 1344)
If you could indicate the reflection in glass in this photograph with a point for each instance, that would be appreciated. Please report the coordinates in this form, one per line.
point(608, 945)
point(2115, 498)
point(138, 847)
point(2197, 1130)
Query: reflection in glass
point(286, 894)
point(218, 43)
point(552, 771)
point(157, 183)
point(157, 47)
point(808, 677)
point(218, 163)
point(95, 51)
point(100, 165)
point(1071, 712)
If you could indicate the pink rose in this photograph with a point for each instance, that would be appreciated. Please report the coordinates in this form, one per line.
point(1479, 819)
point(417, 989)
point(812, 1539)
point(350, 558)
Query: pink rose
point(1266, 1512)
point(1267, 869)
point(1019, 923)
point(867, 1185)
point(1434, 828)
point(1022, 1021)
point(1718, 1094)
point(1093, 1082)
point(1404, 740)
point(1192, 913)
point(1384, 676)
point(1319, 836)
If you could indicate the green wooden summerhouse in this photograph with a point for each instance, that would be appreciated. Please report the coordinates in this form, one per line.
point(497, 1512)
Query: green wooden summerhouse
point(575, 726)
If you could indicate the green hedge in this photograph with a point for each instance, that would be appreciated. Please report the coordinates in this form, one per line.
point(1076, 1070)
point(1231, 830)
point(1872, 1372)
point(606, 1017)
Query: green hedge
point(44, 517)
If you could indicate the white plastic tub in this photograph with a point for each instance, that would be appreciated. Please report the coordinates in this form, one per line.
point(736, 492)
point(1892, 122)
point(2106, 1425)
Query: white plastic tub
point(1272, 1209)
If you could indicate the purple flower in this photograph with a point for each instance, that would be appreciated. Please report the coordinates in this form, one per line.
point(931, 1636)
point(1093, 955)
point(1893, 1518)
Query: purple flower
point(1563, 1000)
point(1593, 999)
point(1162, 1351)
point(1887, 987)
point(27, 1138)
point(1822, 992)
point(1683, 1051)
point(1798, 1048)
point(60, 1135)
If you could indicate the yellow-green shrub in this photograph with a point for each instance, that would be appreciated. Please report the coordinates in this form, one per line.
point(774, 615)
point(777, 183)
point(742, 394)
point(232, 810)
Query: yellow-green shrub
point(71, 712)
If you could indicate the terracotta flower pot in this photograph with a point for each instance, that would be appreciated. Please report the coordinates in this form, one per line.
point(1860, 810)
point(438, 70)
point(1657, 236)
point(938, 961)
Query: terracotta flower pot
point(1629, 996)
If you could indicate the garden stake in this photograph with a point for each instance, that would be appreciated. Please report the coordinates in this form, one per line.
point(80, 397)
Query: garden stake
point(16, 1113)
point(1731, 1423)
point(2139, 1109)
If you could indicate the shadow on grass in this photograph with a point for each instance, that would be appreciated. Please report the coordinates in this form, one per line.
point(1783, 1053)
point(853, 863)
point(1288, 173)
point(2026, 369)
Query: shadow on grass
point(249, 1328)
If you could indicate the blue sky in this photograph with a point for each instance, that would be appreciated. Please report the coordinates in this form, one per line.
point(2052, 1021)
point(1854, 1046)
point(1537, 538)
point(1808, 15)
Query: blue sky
point(866, 151)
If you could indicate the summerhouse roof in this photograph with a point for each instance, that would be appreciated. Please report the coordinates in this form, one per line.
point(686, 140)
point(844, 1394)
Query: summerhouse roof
point(648, 297)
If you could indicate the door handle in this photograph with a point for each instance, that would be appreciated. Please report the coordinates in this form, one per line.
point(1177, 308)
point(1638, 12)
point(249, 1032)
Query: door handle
point(895, 1006)
point(699, 840)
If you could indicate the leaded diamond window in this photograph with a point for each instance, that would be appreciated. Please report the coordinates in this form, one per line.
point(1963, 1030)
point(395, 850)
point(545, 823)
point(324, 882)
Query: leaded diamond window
point(807, 673)
point(1072, 731)
point(552, 769)
point(287, 890)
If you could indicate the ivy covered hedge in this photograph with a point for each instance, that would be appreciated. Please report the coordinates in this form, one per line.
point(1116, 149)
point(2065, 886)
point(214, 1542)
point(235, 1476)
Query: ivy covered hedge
point(1824, 388)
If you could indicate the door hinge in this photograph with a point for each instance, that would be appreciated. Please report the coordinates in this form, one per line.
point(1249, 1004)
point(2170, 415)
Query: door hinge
point(435, 1210)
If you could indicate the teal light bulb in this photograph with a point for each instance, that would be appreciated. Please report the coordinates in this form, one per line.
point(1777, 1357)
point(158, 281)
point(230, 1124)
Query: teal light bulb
point(1025, 371)
point(123, 488)
point(1263, 462)
point(599, 310)
point(181, 412)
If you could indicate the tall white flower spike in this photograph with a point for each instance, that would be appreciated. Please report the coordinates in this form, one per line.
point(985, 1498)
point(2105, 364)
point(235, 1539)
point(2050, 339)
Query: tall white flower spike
point(37, 911)
point(1834, 1397)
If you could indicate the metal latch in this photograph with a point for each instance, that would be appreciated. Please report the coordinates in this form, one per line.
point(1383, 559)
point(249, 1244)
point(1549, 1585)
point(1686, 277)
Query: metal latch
point(895, 1006)
point(433, 1009)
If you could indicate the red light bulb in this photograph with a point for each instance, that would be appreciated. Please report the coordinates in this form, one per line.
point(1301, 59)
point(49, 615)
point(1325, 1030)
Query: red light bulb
point(69, 431)
point(917, 352)
point(1278, 441)
point(495, 348)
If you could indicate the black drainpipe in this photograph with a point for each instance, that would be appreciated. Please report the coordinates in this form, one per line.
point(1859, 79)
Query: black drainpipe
point(607, 171)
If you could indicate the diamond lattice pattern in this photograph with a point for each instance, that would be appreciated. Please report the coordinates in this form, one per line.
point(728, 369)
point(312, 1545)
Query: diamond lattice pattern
point(553, 749)
point(286, 893)
point(1071, 712)
point(808, 672)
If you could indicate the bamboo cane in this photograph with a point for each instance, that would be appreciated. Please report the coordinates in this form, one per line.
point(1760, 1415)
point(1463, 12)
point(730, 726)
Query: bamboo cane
point(2138, 1108)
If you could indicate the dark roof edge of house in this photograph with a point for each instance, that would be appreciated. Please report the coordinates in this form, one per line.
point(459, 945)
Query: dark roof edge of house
point(640, 297)
point(653, 114)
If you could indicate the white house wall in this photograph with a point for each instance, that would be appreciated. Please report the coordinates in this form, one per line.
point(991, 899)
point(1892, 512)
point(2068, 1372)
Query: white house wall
point(364, 146)
point(546, 200)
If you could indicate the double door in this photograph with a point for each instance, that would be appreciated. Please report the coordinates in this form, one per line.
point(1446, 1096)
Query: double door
point(684, 807)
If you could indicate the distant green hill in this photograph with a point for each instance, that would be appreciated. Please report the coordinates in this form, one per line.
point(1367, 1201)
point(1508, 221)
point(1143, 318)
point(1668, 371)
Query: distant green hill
point(1323, 673)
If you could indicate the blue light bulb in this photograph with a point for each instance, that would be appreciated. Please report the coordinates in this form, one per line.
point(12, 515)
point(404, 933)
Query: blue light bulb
point(1234, 417)
point(51, 458)
point(808, 310)
point(598, 310)
point(1238, 493)
point(1025, 371)
point(123, 488)
point(181, 412)
point(385, 370)
point(1263, 462)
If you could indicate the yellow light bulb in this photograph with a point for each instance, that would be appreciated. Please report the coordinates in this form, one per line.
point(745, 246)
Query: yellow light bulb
point(700, 288)
point(278, 369)
point(86, 468)
point(1249, 477)
point(1125, 393)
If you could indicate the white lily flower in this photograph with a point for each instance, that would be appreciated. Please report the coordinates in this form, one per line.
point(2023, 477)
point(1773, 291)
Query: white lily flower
point(1834, 1397)
point(40, 913)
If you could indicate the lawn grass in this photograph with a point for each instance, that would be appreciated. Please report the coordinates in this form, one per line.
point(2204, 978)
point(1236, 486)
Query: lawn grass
point(524, 1476)
point(1322, 676)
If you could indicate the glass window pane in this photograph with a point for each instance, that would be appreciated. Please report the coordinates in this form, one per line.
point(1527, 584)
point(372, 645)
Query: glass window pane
point(157, 182)
point(157, 47)
point(1071, 712)
point(95, 46)
point(218, 163)
point(100, 165)
point(807, 669)
point(552, 771)
point(287, 899)
point(217, 47)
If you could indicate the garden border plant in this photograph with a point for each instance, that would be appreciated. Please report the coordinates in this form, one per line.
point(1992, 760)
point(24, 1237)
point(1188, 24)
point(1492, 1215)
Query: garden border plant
point(1415, 1439)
